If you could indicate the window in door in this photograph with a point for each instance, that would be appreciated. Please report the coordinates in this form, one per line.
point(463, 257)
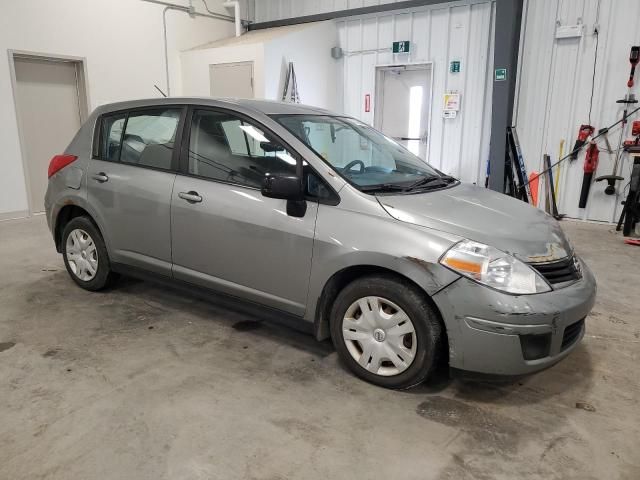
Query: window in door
point(149, 138)
point(403, 105)
point(227, 148)
point(111, 137)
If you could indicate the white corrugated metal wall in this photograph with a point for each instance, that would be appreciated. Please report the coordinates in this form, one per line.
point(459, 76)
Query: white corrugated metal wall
point(452, 31)
point(267, 10)
point(463, 32)
point(555, 90)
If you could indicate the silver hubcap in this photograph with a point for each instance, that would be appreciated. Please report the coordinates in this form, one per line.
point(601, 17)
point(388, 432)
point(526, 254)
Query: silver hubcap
point(82, 255)
point(379, 336)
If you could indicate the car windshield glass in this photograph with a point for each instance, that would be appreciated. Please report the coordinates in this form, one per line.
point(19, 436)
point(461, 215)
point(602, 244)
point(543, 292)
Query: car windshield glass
point(361, 154)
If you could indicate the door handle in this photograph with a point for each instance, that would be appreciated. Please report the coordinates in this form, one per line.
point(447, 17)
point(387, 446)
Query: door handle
point(191, 196)
point(100, 177)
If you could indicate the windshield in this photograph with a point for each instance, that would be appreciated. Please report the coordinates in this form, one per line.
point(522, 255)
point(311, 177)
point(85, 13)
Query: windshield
point(361, 154)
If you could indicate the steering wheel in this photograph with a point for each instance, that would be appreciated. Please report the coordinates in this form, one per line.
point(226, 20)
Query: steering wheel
point(352, 164)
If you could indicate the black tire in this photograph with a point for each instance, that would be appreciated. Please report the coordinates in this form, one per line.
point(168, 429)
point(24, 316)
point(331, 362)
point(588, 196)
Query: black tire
point(103, 276)
point(413, 301)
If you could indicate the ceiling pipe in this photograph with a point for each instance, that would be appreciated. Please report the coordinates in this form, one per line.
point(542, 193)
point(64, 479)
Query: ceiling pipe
point(235, 4)
point(189, 10)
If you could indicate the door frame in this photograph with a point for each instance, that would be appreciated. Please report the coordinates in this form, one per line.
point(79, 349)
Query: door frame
point(82, 88)
point(379, 90)
point(233, 64)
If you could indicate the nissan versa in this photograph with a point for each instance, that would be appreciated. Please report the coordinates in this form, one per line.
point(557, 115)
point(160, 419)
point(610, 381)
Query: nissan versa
point(319, 219)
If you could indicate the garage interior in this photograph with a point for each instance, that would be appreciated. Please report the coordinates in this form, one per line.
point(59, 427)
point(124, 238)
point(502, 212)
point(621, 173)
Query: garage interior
point(143, 381)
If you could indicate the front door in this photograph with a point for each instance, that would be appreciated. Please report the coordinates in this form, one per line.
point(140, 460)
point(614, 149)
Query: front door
point(225, 234)
point(130, 180)
point(403, 104)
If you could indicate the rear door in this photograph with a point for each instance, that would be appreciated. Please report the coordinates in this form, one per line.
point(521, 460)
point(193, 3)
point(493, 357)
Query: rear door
point(231, 80)
point(225, 234)
point(48, 107)
point(130, 181)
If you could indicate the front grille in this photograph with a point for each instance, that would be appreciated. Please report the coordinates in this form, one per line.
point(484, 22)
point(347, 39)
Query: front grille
point(564, 270)
point(571, 333)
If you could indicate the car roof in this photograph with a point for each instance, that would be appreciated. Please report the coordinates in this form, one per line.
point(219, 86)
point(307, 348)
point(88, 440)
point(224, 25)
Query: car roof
point(268, 107)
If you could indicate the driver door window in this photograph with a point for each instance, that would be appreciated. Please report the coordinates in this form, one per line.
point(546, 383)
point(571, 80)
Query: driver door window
point(229, 149)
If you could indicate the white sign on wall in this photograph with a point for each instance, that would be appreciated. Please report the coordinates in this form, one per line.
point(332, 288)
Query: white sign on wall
point(451, 105)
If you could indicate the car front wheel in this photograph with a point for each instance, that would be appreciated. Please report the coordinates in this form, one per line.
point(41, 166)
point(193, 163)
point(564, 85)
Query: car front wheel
point(386, 332)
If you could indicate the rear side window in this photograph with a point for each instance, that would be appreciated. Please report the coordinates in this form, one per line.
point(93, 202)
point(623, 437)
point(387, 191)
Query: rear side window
point(227, 148)
point(149, 138)
point(143, 138)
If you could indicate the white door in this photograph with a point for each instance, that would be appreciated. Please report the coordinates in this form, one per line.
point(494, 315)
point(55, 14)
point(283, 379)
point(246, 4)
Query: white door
point(49, 113)
point(403, 105)
point(231, 80)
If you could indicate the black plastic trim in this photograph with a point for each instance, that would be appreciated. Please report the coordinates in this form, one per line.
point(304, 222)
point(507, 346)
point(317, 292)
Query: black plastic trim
point(230, 302)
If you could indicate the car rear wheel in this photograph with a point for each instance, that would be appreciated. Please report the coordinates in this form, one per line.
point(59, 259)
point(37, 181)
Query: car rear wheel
point(85, 255)
point(386, 332)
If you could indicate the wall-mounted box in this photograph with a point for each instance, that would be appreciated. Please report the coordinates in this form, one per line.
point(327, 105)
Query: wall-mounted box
point(570, 31)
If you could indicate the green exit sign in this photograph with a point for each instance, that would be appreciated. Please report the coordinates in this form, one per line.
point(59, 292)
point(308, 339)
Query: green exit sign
point(454, 66)
point(500, 74)
point(401, 47)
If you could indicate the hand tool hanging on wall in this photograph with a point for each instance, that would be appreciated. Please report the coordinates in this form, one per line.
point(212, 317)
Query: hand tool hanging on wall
point(590, 166)
point(584, 133)
point(559, 169)
point(294, 97)
point(614, 124)
point(551, 194)
point(635, 132)
point(629, 99)
point(611, 179)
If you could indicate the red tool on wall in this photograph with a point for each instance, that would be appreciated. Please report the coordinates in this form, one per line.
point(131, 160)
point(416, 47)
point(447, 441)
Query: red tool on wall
point(590, 166)
point(584, 133)
point(635, 132)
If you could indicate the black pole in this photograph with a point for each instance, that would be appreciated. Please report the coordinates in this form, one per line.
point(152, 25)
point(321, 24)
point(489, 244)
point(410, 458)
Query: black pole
point(505, 66)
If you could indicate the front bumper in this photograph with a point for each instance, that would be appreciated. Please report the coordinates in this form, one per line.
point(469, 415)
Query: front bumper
point(496, 333)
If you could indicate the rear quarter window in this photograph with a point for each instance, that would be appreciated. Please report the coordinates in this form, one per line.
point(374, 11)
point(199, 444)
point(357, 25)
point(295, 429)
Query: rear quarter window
point(138, 137)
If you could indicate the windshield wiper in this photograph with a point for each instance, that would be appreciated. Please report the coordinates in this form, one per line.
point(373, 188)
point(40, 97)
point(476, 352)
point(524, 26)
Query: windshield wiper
point(383, 187)
point(396, 187)
point(443, 181)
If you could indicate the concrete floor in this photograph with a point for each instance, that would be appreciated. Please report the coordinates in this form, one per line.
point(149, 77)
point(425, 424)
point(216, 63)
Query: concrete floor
point(143, 383)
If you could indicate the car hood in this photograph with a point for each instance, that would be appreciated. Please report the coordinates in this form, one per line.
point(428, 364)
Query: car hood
point(485, 216)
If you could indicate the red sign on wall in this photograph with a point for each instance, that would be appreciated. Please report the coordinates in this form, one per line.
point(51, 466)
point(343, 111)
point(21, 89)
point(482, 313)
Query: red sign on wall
point(367, 102)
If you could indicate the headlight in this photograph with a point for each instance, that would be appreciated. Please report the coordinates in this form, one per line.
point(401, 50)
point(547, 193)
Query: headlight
point(491, 267)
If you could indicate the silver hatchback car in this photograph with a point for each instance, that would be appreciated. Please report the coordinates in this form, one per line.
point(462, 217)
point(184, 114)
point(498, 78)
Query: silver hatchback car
point(319, 220)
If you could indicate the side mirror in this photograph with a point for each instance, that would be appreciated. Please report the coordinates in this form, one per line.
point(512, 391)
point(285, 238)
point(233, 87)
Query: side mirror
point(281, 186)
